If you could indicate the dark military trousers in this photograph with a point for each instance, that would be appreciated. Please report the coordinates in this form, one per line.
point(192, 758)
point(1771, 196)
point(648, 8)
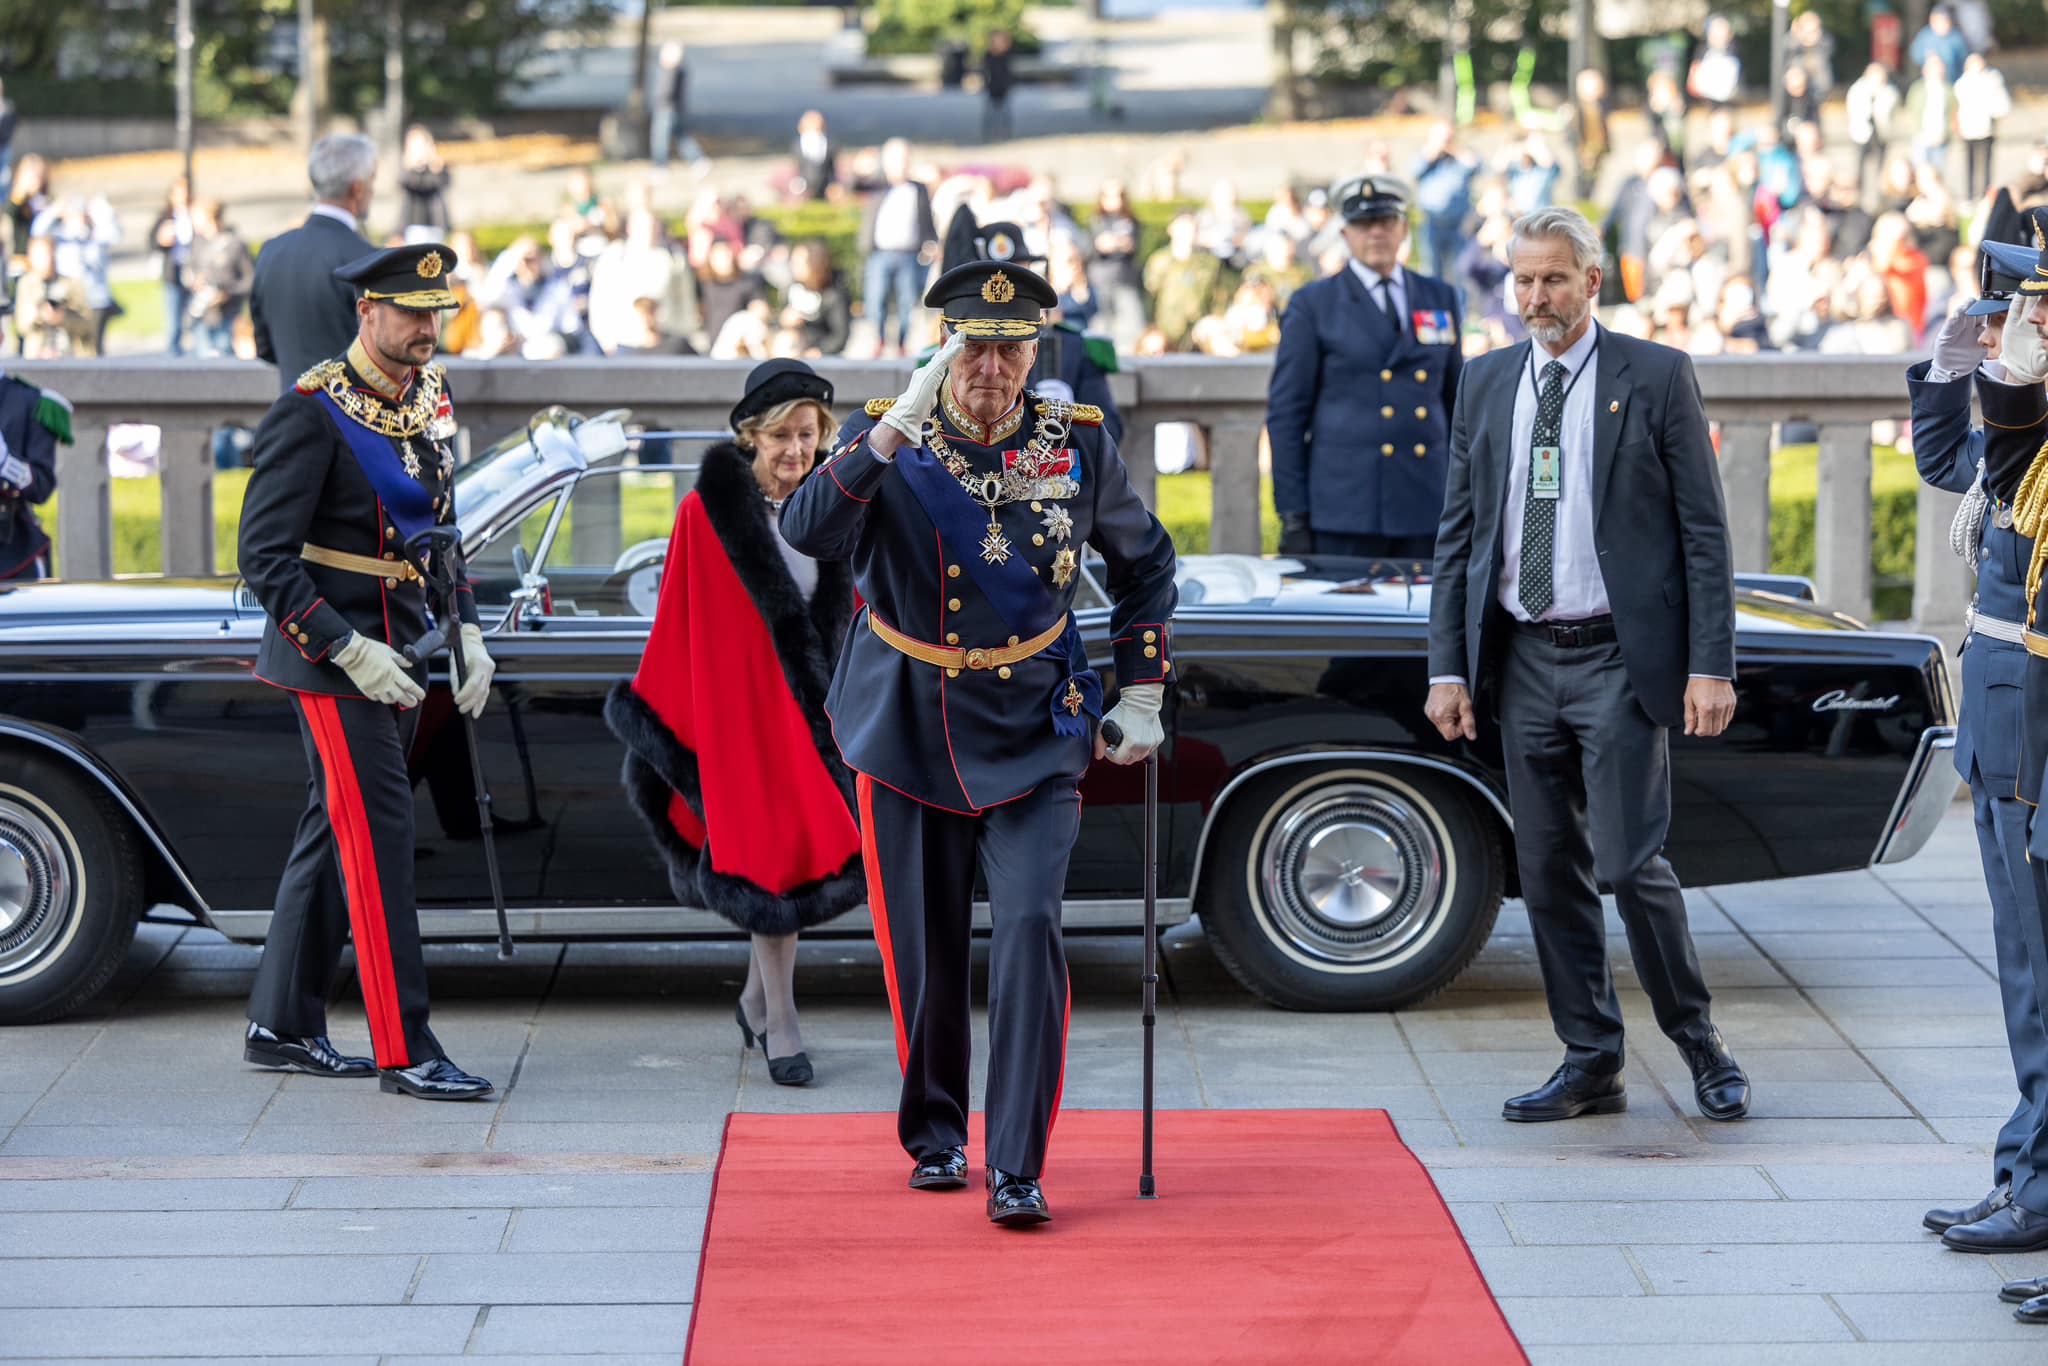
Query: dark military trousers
point(920, 866)
point(350, 870)
point(2018, 939)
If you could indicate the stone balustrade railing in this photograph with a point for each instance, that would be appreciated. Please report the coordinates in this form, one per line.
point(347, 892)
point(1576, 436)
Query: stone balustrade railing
point(1746, 396)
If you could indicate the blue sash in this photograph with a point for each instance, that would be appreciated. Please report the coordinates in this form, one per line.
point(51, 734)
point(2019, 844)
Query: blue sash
point(1020, 597)
point(406, 501)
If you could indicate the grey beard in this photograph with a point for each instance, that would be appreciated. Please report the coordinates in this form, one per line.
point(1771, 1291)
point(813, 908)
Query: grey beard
point(1547, 330)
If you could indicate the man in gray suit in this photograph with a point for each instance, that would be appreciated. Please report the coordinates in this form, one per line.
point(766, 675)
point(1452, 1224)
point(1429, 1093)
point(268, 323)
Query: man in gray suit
point(302, 314)
point(1583, 588)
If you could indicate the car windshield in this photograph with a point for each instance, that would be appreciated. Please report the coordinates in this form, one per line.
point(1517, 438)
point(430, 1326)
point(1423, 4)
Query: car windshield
point(507, 469)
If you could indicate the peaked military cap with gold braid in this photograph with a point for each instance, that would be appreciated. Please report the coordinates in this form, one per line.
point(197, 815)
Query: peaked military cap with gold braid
point(414, 277)
point(2037, 224)
point(992, 301)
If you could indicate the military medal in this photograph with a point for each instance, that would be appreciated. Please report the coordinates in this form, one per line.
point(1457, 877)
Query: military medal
point(409, 457)
point(1059, 523)
point(1063, 567)
point(1072, 701)
point(2004, 517)
point(995, 547)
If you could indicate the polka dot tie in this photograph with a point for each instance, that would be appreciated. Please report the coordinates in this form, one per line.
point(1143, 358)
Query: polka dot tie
point(1539, 515)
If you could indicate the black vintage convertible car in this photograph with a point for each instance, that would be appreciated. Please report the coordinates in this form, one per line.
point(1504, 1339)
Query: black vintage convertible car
point(1338, 853)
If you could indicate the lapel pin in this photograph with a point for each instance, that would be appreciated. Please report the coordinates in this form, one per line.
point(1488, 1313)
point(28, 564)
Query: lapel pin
point(1613, 405)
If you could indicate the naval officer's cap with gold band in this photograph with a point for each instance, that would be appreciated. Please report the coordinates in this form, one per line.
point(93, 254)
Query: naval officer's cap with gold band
point(414, 276)
point(992, 301)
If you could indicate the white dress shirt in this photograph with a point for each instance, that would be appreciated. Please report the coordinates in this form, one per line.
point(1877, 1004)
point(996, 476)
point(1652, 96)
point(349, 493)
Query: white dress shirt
point(338, 214)
point(1396, 285)
point(1577, 589)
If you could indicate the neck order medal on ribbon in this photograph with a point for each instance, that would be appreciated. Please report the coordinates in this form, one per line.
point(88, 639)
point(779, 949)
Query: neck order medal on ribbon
point(1035, 474)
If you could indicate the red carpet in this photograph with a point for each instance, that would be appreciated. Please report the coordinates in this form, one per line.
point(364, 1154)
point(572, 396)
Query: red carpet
point(1304, 1237)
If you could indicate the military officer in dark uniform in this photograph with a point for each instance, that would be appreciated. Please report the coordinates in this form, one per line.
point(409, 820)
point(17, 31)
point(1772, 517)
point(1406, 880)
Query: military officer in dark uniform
point(1984, 465)
point(1072, 364)
point(32, 422)
point(964, 703)
point(350, 464)
point(1358, 409)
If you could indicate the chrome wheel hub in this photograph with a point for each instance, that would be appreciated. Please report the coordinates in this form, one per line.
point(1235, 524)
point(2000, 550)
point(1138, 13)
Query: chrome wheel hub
point(35, 885)
point(1353, 873)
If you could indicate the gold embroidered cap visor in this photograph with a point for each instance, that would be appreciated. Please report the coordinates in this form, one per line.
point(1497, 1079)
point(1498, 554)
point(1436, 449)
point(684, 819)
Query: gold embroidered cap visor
point(992, 301)
point(413, 277)
point(2037, 224)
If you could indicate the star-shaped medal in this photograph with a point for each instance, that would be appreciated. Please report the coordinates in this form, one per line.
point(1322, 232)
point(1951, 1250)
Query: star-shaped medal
point(409, 457)
point(995, 547)
point(1063, 567)
point(1059, 523)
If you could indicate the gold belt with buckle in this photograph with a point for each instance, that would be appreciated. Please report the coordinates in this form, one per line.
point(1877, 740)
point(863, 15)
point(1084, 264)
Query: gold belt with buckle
point(401, 570)
point(960, 657)
point(2036, 643)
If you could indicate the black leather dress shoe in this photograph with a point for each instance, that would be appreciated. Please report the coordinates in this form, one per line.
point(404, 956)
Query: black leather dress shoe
point(2033, 1311)
point(1571, 1091)
point(2014, 1228)
point(2019, 1292)
point(1015, 1200)
point(1717, 1079)
point(943, 1170)
point(434, 1079)
point(1942, 1220)
point(311, 1054)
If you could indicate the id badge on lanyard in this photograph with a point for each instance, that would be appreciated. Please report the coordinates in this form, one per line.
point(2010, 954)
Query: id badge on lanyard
point(1546, 463)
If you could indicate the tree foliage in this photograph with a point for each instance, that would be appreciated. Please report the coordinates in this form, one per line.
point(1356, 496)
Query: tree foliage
point(922, 25)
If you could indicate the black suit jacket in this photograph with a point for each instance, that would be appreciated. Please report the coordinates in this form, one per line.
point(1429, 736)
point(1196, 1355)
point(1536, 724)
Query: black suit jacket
point(301, 313)
point(1659, 524)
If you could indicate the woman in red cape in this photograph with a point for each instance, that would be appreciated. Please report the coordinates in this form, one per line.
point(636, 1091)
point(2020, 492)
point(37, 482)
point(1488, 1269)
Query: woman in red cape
point(729, 756)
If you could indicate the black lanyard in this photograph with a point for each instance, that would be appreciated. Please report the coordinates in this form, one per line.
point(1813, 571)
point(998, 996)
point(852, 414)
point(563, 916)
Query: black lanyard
point(1537, 393)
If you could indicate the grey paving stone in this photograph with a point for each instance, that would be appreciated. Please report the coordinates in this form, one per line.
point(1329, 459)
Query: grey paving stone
point(1904, 1065)
point(236, 1361)
point(1878, 972)
point(32, 1075)
point(1782, 1069)
point(1764, 1127)
point(336, 1102)
point(1780, 1221)
point(1481, 1223)
point(657, 1104)
point(1937, 1319)
point(1659, 1181)
point(1860, 918)
point(15, 1104)
point(116, 1281)
point(530, 1193)
point(282, 1330)
point(1920, 943)
point(250, 1233)
point(604, 1359)
point(1920, 1031)
point(558, 1278)
point(1821, 1266)
point(419, 1137)
point(1962, 1097)
point(145, 1108)
point(1419, 1134)
point(1647, 1107)
point(1513, 1072)
point(117, 1140)
point(1952, 1179)
point(1979, 999)
point(520, 1329)
point(698, 1137)
point(1588, 1132)
point(1978, 1353)
point(145, 1195)
point(661, 1228)
point(1519, 1271)
point(1966, 1128)
point(1656, 1320)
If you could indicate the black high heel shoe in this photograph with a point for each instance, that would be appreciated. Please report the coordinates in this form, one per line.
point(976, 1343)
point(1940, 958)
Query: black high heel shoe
point(746, 1031)
point(794, 1070)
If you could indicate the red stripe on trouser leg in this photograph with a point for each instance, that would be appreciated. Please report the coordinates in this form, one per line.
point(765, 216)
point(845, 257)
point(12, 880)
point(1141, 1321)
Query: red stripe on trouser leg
point(1066, 1019)
point(357, 855)
point(878, 911)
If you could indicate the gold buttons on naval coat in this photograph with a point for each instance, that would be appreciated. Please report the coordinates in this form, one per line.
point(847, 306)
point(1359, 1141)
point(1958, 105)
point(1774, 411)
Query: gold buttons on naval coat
point(1387, 411)
point(1013, 641)
point(1387, 448)
point(1003, 672)
point(952, 637)
point(952, 673)
point(1386, 375)
point(1037, 539)
point(1421, 449)
point(1422, 376)
point(1150, 636)
point(952, 604)
point(952, 571)
point(1422, 412)
point(1151, 652)
point(1036, 506)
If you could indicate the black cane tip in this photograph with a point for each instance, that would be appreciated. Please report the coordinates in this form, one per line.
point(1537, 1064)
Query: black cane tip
point(1145, 1189)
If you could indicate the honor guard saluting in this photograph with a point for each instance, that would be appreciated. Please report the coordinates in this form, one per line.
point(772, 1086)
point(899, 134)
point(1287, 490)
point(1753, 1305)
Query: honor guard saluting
point(1358, 410)
point(1072, 365)
point(350, 464)
point(32, 422)
point(964, 703)
point(1985, 465)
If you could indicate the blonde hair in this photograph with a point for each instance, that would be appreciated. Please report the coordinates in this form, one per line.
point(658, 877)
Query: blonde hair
point(781, 413)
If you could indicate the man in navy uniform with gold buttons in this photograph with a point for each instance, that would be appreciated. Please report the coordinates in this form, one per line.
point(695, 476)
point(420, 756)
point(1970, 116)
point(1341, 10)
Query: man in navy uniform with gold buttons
point(351, 463)
point(964, 702)
point(1358, 408)
point(1984, 465)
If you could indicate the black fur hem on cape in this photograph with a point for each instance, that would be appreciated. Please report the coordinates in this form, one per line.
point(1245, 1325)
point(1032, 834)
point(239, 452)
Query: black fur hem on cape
point(806, 638)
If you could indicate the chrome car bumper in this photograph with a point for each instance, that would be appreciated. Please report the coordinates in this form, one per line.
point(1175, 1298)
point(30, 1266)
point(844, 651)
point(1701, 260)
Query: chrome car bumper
point(1931, 783)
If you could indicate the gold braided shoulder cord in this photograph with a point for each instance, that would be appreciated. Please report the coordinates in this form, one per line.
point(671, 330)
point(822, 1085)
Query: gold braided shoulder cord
point(2030, 519)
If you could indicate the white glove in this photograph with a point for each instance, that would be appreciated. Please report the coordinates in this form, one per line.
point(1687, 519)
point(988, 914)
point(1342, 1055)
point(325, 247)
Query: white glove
point(476, 688)
point(2026, 359)
point(1136, 713)
point(908, 412)
point(14, 470)
point(1956, 351)
point(379, 671)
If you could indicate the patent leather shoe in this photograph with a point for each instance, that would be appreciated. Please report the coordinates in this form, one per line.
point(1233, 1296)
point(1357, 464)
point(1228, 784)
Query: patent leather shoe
point(1015, 1201)
point(1718, 1081)
point(311, 1054)
point(794, 1070)
point(2033, 1311)
point(2015, 1228)
point(943, 1170)
point(1942, 1220)
point(1571, 1091)
point(2019, 1292)
point(434, 1079)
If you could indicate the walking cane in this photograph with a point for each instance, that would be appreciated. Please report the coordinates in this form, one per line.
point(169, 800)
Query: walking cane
point(1113, 736)
point(437, 552)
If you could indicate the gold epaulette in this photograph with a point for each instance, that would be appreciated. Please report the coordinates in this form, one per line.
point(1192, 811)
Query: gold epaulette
point(2029, 513)
point(1077, 412)
point(878, 406)
point(317, 378)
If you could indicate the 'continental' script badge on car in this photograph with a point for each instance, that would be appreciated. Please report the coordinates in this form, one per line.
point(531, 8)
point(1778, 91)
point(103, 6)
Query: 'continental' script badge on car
point(1841, 700)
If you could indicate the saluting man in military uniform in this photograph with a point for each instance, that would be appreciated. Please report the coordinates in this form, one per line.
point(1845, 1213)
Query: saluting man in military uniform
point(964, 703)
point(350, 464)
point(32, 422)
point(1984, 465)
point(1358, 409)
